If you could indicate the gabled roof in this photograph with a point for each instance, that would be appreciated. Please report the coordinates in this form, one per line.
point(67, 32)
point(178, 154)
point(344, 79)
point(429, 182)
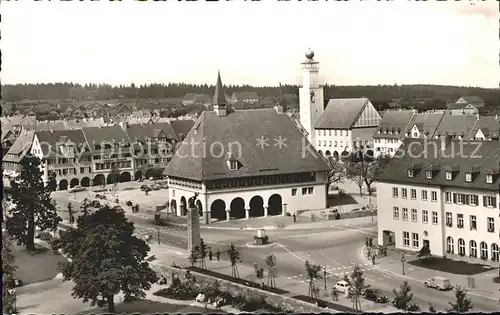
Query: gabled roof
point(142, 132)
point(458, 105)
point(394, 121)
point(182, 127)
point(472, 99)
point(489, 126)
point(49, 139)
point(20, 147)
point(246, 95)
point(456, 125)
point(483, 156)
point(105, 134)
point(426, 123)
point(341, 113)
point(243, 128)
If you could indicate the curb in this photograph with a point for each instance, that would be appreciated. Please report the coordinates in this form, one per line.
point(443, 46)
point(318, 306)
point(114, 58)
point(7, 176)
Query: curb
point(251, 245)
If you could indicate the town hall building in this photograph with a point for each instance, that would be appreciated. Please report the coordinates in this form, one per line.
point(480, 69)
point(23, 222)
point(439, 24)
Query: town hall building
point(246, 163)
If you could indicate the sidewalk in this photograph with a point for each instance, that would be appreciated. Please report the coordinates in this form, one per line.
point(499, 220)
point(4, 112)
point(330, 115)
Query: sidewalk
point(484, 284)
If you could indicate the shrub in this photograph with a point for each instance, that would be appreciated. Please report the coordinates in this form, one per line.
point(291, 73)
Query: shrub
point(55, 245)
point(45, 236)
point(117, 200)
point(288, 214)
point(129, 203)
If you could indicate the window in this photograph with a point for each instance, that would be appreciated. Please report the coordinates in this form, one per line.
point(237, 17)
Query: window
point(395, 213)
point(473, 200)
point(491, 224)
point(460, 220)
point(414, 215)
point(304, 191)
point(473, 223)
point(425, 216)
point(428, 174)
point(406, 238)
point(310, 190)
point(335, 143)
point(449, 219)
point(460, 198)
point(489, 179)
point(82, 170)
point(448, 176)
point(424, 195)
point(410, 173)
point(329, 143)
point(414, 237)
point(335, 133)
point(233, 165)
point(449, 245)
point(413, 193)
point(494, 252)
point(294, 191)
point(404, 193)
point(484, 250)
point(461, 247)
point(330, 132)
point(395, 192)
point(468, 177)
point(434, 196)
point(434, 217)
point(472, 249)
point(489, 201)
point(447, 196)
point(319, 143)
point(405, 214)
point(173, 193)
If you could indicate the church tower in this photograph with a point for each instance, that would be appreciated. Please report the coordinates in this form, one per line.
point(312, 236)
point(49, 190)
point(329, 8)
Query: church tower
point(311, 99)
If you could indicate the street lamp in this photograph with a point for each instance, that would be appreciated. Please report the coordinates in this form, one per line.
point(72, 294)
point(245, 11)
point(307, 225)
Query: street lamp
point(158, 230)
point(403, 259)
point(324, 274)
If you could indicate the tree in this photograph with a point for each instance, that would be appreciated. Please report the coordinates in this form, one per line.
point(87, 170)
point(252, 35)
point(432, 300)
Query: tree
point(312, 272)
point(424, 252)
point(372, 168)
point(33, 205)
point(336, 172)
point(234, 259)
point(8, 258)
point(202, 250)
point(114, 175)
point(462, 303)
point(357, 282)
point(271, 272)
point(71, 213)
point(355, 173)
point(85, 205)
point(403, 297)
point(193, 256)
point(52, 182)
point(106, 257)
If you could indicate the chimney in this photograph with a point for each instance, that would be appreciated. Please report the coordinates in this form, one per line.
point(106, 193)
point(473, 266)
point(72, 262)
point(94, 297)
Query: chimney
point(219, 100)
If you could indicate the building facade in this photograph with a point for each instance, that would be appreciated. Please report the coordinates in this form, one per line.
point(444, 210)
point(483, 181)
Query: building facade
point(444, 194)
point(391, 132)
point(311, 96)
point(242, 170)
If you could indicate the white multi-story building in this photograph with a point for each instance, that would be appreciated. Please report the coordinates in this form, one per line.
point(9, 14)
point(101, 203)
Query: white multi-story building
point(348, 124)
point(391, 131)
point(444, 194)
point(246, 163)
point(311, 95)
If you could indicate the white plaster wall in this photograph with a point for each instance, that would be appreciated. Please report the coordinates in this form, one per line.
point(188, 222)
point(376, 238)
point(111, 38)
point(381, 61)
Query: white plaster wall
point(327, 141)
point(385, 204)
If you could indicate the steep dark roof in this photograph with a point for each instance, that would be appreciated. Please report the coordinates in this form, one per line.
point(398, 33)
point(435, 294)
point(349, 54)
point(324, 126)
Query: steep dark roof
point(394, 121)
point(472, 99)
point(457, 105)
point(219, 95)
point(426, 123)
point(49, 139)
point(489, 126)
point(182, 127)
point(105, 134)
point(20, 147)
point(341, 113)
point(243, 127)
point(483, 156)
point(456, 125)
point(142, 132)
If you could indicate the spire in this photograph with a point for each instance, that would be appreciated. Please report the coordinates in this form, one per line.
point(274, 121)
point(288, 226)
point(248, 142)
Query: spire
point(219, 96)
point(219, 101)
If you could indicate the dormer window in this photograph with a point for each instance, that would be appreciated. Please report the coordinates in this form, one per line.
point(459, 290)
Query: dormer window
point(449, 176)
point(233, 165)
point(468, 177)
point(428, 174)
point(410, 173)
point(378, 132)
point(489, 179)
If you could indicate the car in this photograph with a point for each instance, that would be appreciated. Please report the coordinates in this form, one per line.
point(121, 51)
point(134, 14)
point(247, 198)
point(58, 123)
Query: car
point(77, 189)
point(375, 295)
point(342, 286)
point(440, 283)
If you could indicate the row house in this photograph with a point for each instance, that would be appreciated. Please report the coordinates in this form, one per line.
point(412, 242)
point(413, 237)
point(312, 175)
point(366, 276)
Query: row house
point(442, 194)
point(346, 125)
point(397, 126)
point(466, 105)
point(245, 96)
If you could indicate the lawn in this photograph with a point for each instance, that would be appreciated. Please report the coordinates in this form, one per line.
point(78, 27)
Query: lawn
point(451, 266)
point(35, 267)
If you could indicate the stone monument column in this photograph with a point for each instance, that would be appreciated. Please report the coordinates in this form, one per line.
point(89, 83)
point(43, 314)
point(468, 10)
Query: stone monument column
point(193, 224)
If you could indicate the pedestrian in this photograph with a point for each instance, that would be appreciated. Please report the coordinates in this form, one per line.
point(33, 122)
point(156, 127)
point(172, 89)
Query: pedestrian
point(148, 238)
point(431, 308)
point(217, 254)
point(334, 295)
point(294, 218)
point(371, 242)
point(210, 254)
point(373, 259)
point(366, 241)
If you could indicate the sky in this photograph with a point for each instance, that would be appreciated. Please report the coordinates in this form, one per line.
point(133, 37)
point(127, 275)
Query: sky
point(256, 43)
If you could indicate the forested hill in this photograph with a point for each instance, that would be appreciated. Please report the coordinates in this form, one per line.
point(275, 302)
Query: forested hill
point(104, 91)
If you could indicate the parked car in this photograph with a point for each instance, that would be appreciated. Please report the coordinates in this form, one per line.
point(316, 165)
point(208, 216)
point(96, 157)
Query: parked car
point(440, 283)
point(342, 286)
point(77, 189)
point(375, 295)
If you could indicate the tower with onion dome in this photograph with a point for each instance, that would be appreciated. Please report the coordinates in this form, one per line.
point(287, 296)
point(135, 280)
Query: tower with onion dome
point(311, 96)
